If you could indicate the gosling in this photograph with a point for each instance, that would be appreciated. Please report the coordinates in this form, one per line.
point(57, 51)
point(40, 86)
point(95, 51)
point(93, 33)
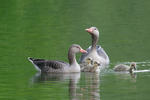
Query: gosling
point(125, 68)
point(96, 67)
point(85, 67)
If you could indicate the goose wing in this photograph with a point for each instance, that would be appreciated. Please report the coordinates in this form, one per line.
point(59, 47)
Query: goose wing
point(46, 64)
point(101, 52)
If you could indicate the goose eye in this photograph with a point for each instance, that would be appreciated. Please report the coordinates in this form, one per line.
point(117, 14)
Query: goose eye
point(78, 47)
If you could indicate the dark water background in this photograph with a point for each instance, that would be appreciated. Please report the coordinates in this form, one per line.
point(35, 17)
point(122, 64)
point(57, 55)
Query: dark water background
point(45, 29)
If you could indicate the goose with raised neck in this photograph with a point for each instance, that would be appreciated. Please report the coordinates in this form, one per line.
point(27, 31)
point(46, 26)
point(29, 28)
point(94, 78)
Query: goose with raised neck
point(96, 52)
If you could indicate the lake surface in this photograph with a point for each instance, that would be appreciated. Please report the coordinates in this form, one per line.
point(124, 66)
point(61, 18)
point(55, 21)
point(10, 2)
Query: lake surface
point(46, 29)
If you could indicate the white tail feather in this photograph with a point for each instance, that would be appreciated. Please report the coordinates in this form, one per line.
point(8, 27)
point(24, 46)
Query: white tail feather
point(36, 67)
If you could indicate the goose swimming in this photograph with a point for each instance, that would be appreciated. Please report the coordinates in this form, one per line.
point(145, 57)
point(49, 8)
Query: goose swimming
point(125, 68)
point(96, 52)
point(95, 67)
point(59, 66)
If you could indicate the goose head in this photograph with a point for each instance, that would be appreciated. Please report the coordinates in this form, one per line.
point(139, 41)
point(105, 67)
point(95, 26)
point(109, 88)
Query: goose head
point(95, 36)
point(93, 31)
point(89, 61)
point(95, 67)
point(96, 64)
point(132, 67)
point(75, 48)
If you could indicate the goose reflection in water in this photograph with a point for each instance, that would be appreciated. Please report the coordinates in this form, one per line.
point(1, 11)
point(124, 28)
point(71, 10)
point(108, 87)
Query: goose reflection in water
point(55, 77)
point(89, 89)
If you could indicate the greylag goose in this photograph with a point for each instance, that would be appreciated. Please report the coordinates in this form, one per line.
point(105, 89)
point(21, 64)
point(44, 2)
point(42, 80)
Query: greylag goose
point(59, 66)
point(125, 68)
point(86, 65)
point(96, 67)
point(96, 52)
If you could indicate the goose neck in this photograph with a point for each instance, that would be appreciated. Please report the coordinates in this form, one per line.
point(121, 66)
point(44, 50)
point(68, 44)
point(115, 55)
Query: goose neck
point(131, 70)
point(71, 58)
point(94, 41)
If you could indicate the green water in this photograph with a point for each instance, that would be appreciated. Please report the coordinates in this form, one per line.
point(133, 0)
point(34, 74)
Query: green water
point(46, 28)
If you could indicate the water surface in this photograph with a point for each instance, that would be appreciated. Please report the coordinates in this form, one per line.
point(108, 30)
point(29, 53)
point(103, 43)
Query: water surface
point(45, 29)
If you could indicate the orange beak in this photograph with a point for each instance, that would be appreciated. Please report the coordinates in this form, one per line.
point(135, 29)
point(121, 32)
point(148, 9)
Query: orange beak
point(83, 51)
point(89, 30)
